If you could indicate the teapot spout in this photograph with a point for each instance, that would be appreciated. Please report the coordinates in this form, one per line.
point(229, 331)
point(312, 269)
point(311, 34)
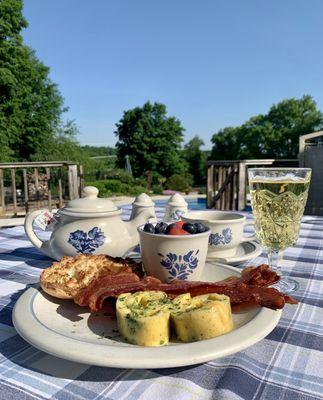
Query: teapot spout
point(141, 218)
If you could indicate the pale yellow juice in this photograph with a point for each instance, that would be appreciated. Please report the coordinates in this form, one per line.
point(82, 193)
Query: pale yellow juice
point(278, 206)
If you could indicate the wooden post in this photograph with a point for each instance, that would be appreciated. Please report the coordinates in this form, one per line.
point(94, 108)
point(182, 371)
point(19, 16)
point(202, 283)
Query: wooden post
point(215, 183)
point(222, 199)
point(81, 180)
point(25, 179)
point(242, 186)
point(14, 190)
point(220, 182)
point(60, 189)
point(226, 189)
point(210, 186)
point(235, 187)
point(2, 193)
point(49, 188)
point(37, 186)
point(72, 182)
point(232, 189)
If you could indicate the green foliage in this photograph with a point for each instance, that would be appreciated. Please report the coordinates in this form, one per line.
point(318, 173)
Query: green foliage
point(30, 103)
point(273, 135)
point(151, 139)
point(121, 176)
point(93, 151)
point(182, 183)
point(62, 145)
point(196, 160)
point(114, 187)
point(157, 189)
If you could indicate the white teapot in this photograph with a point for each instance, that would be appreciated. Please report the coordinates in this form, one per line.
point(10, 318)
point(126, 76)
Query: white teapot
point(89, 225)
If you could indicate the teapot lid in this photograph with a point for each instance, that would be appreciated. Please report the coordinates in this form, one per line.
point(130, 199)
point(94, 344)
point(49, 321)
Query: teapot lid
point(89, 204)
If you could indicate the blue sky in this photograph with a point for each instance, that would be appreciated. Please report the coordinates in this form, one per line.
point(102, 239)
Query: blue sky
point(214, 63)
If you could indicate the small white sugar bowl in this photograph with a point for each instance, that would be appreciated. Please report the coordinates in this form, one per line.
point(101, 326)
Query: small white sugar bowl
point(175, 208)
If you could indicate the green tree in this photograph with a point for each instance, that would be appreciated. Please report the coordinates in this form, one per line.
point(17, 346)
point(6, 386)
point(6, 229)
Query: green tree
point(30, 103)
point(273, 135)
point(196, 159)
point(151, 139)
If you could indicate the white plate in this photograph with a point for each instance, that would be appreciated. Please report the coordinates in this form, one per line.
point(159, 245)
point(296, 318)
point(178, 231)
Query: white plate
point(63, 329)
point(246, 251)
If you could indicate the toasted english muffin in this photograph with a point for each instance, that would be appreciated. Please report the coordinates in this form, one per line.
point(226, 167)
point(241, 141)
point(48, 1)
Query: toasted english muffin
point(66, 277)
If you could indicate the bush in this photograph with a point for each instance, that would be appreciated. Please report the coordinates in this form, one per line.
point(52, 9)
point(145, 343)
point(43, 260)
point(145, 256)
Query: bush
point(120, 175)
point(182, 183)
point(157, 189)
point(113, 187)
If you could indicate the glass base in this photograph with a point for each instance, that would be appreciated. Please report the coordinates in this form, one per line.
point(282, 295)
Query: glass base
point(286, 285)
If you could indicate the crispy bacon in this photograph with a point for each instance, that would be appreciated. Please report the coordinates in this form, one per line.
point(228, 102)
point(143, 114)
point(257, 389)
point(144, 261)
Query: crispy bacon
point(101, 285)
point(251, 286)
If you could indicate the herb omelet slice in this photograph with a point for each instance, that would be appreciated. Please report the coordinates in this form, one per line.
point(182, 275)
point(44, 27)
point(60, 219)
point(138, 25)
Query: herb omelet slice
point(201, 317)
point(144, 317)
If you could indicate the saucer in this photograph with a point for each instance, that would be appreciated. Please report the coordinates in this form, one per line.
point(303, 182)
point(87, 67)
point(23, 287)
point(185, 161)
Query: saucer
point(245, 251)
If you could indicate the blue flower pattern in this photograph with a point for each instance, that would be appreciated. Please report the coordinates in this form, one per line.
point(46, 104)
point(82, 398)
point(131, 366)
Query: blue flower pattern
point(178, 266)
point(86, 242)
point(217, 238)
point(177, 215)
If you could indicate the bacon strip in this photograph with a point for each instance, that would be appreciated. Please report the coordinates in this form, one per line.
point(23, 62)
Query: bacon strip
point(240, 293)
point(251, 286)
point(99, 286)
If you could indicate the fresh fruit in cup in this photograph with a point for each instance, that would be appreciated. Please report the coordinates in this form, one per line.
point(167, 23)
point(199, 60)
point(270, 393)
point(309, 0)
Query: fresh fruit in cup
point(161, 227)
point(149, 228)
point(176, 228)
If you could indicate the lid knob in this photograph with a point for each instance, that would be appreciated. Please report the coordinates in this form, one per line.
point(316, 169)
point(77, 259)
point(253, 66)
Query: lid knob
point(143, 200)
point(90, 192)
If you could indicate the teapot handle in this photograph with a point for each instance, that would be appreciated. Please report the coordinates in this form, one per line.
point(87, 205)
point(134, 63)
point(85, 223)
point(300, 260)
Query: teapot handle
point(30, 230)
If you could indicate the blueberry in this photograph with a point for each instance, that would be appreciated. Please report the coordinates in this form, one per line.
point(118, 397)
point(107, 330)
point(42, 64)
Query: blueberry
point(149, 228)
point(169, 227)
point(190, 228)
point(200, 228)
point(161, 228)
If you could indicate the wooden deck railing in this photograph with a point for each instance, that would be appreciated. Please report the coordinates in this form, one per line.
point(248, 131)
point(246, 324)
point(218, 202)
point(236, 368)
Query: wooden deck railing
point(32, 185)
point(227, 181)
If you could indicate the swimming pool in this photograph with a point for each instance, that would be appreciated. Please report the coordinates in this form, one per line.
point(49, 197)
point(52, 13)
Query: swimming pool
point(193, 204)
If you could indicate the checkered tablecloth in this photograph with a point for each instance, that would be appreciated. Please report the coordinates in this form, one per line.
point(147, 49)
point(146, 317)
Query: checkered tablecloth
point(286, 365)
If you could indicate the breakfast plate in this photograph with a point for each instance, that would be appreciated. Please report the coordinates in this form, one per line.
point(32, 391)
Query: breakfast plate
point(63, 329)
point(246, 251)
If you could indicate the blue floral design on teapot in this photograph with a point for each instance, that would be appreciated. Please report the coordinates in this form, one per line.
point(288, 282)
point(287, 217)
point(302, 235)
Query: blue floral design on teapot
point(86, 242)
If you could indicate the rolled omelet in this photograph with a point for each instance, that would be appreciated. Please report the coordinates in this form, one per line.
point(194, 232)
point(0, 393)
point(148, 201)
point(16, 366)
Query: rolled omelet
point(144, 317)
point(201, 317)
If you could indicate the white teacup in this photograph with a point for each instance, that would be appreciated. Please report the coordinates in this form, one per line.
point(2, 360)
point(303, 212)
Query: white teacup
point(226, 230)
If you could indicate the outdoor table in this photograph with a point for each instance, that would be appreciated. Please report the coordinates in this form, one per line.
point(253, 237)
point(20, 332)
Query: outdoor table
point(287, 364)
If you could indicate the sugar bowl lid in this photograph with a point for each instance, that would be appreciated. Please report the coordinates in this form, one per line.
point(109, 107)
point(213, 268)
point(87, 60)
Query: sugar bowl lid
point(89, 204)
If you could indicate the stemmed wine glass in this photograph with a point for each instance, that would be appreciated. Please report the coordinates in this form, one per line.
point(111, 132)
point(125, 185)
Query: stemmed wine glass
point(278, 198)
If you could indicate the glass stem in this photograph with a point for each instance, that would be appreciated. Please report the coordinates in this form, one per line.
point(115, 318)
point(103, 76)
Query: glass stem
point(275, 258)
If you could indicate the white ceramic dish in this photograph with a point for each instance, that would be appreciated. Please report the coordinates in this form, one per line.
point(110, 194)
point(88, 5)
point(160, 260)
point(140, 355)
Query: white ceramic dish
point(62, 329)
point(226, 230)
point(245, 251)
point(169, 257)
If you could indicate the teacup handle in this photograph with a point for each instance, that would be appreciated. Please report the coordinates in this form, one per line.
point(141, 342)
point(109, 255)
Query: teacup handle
point(251, 237)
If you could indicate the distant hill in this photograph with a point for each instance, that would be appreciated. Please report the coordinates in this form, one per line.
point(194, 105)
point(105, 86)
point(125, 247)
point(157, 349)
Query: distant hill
point(92, 151)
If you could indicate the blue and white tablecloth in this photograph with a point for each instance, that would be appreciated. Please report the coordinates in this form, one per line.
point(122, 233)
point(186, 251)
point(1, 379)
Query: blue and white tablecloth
point(286, 365)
